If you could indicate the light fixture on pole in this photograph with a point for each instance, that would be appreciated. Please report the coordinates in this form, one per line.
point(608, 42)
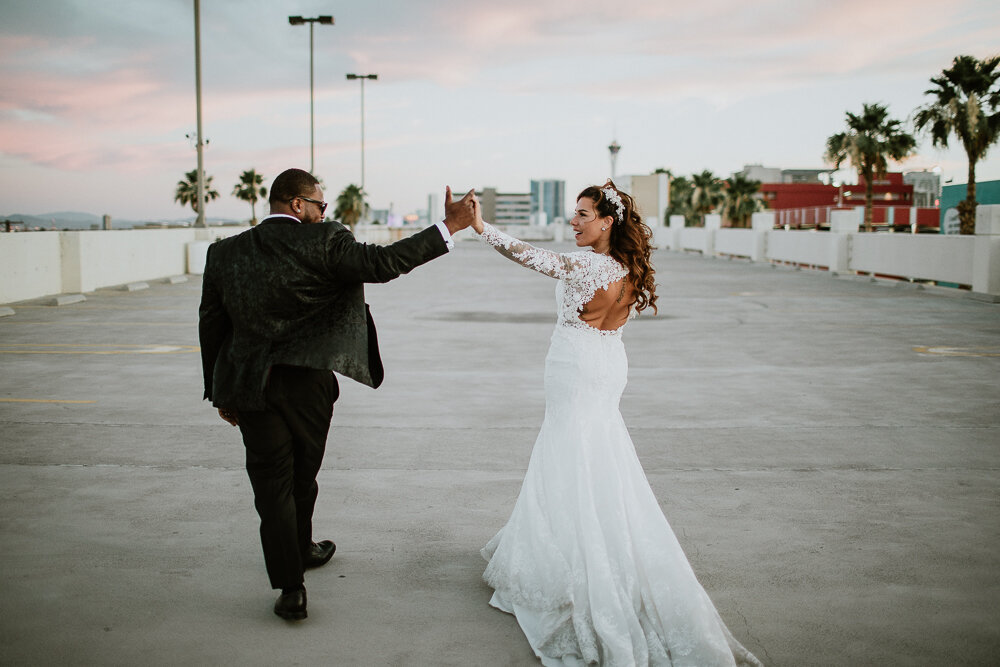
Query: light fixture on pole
point(362, 77)
point(298, 20)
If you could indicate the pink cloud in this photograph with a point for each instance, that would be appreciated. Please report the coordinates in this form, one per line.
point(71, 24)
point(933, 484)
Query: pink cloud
point(796, 39)
point(108, 98)
point(109, 119)
point(81, 102)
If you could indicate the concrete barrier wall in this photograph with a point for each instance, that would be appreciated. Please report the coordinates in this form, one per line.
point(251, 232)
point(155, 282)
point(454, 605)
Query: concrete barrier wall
point(964, 260)
point(382, 234)
point(103, 259)
point(30, 265)
point(799, 247)
point(37, 264)
point(921, 256)
point(738, 242)
point(663, 237)
point(693, 238)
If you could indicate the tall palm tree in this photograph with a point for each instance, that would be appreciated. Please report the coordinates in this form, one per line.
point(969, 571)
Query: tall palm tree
point(249, 189)
point(738, 202)
point(680, 199)
point(706, 194)
point(967, 97)
point(870, 141)
point(350, 206)
point(187, 190)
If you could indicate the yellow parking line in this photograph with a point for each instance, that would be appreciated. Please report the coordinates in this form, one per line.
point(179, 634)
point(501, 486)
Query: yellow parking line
point(189, 325)
point(945, 351)
point(88, 348)
point(39, 400)
point(85, 306)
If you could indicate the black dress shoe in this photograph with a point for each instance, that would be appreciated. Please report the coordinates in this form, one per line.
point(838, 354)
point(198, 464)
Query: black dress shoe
point(291, 606)
point(318, 554)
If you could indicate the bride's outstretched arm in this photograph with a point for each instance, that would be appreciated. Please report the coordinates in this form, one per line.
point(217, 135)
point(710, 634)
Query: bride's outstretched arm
point(544, 261)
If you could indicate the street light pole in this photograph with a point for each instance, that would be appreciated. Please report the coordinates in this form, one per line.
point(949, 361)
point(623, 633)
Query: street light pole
point(200, 189)
point(362, 77)
point(298, 20)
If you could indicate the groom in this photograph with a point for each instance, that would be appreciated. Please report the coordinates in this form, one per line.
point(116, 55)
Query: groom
point(282, 306)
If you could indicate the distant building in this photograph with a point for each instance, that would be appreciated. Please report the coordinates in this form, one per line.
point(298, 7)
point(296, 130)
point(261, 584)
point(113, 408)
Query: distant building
point(926, 187)
point(548, 202)
point(811, 203)
point(12, 226)
point(756, 172)
point(987, 192)
point(803, 175)
point(803, 188)
point(651, 193)
point(504, 208)
point(379, 216)
point(888, 191)
point(435, 209)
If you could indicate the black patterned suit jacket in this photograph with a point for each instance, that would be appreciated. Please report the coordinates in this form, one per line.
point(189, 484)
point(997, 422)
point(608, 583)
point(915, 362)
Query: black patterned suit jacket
point(285, 292)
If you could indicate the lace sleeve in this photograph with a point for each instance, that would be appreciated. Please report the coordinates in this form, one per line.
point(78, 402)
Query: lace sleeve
point(544, 261)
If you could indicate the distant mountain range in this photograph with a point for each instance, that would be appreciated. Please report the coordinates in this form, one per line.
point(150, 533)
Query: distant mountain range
point(74, 220)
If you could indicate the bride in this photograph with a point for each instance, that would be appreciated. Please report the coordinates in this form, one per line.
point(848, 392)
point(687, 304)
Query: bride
point(587, 562)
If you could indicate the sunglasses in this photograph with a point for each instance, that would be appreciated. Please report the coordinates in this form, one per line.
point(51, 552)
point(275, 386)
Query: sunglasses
point(322, 204)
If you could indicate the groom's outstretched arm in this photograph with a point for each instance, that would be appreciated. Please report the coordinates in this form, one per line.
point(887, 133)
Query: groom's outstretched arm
point(352, 261)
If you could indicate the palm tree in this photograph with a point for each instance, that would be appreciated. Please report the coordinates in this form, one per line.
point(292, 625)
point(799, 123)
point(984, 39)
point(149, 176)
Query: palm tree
point(249, 189)
point(680, 199)
point(187, 190)
point(350, 205)
point(706, 194)
point(870, 140)
point(738, 202)
point(963, 94)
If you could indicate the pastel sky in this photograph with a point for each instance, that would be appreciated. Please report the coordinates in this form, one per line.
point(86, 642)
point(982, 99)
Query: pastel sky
point(96, 96)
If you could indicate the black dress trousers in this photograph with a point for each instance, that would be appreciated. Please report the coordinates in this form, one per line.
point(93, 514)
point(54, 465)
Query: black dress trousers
point(285, 444)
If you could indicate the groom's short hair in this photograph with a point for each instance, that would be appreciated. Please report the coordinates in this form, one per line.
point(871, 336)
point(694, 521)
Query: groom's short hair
point(290, 184)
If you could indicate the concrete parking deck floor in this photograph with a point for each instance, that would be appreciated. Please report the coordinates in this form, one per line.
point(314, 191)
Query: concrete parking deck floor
point(827, 450)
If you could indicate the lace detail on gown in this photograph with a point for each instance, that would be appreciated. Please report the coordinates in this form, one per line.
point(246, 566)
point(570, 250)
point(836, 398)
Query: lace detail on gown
point(587, 562)
point(580, 274)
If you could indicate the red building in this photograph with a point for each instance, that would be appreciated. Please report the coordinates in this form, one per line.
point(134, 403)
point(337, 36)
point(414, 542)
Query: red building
point(808, 204)
point(888, 191)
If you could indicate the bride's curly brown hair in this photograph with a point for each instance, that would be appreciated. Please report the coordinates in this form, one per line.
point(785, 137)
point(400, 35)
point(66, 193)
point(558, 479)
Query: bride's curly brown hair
point(630, 242)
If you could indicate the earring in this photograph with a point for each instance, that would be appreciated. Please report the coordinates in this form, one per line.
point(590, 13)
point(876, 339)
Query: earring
point(604, 229)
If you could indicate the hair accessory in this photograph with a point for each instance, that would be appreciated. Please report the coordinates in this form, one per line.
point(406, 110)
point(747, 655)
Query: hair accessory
point(612, 196)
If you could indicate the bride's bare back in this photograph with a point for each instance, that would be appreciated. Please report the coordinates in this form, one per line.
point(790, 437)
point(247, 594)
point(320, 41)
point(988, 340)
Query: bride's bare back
point(609, 309)
point(595, 292)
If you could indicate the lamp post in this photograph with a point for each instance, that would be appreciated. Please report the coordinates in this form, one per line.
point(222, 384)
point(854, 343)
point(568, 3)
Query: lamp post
point(298, 20)
point(200, 189)
point(361, 78)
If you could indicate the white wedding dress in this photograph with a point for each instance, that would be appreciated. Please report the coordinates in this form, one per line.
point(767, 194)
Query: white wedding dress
point(587, 562)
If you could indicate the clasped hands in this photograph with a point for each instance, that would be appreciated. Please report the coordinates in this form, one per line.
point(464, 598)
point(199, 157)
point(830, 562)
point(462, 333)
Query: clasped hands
point(466, 212)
